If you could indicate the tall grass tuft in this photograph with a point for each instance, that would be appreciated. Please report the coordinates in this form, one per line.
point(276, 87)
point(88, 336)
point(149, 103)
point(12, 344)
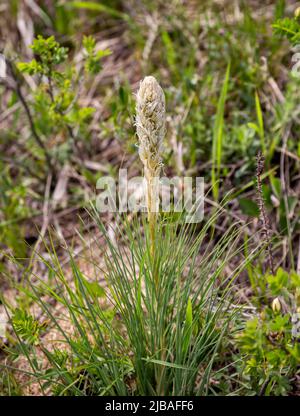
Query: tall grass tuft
point(129, 336)
point(150, 127)
point(127, 332)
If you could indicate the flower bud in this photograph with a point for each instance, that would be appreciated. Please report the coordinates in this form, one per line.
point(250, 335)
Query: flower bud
point(276, 305)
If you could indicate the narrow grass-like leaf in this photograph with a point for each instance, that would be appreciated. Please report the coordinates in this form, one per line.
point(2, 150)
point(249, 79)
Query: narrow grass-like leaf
point(218, 137)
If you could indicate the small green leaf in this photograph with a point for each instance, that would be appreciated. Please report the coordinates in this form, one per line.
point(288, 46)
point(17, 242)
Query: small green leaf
point(253, 126)
point(189, 314)
point(188, 327)
point(260, 123)
point(249, 207)
point(276, 186)
point(96, 7)
point(94, 289)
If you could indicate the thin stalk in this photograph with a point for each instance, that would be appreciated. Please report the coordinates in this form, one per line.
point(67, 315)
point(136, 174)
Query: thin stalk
point(150, 127)
point(265, 221)
point(150, 124)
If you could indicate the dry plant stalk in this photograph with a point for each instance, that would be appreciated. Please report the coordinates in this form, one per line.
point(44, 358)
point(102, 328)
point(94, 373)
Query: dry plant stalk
point(150, 127)
point(260, 164)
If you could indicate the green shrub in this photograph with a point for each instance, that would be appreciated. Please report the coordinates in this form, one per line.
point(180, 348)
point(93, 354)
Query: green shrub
point(268, 344)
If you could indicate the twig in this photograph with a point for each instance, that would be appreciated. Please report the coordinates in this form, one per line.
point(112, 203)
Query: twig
point(30, 118)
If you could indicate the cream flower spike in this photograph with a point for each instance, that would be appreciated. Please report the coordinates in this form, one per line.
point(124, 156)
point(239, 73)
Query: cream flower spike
point(150, 125)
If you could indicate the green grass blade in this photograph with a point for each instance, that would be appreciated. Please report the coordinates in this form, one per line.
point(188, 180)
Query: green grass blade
point(217, 145)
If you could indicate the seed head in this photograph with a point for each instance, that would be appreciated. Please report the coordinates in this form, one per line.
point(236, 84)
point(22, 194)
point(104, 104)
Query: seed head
point(150, 124)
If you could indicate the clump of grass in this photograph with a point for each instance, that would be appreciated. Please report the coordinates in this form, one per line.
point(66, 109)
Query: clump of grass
point(136, 336)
